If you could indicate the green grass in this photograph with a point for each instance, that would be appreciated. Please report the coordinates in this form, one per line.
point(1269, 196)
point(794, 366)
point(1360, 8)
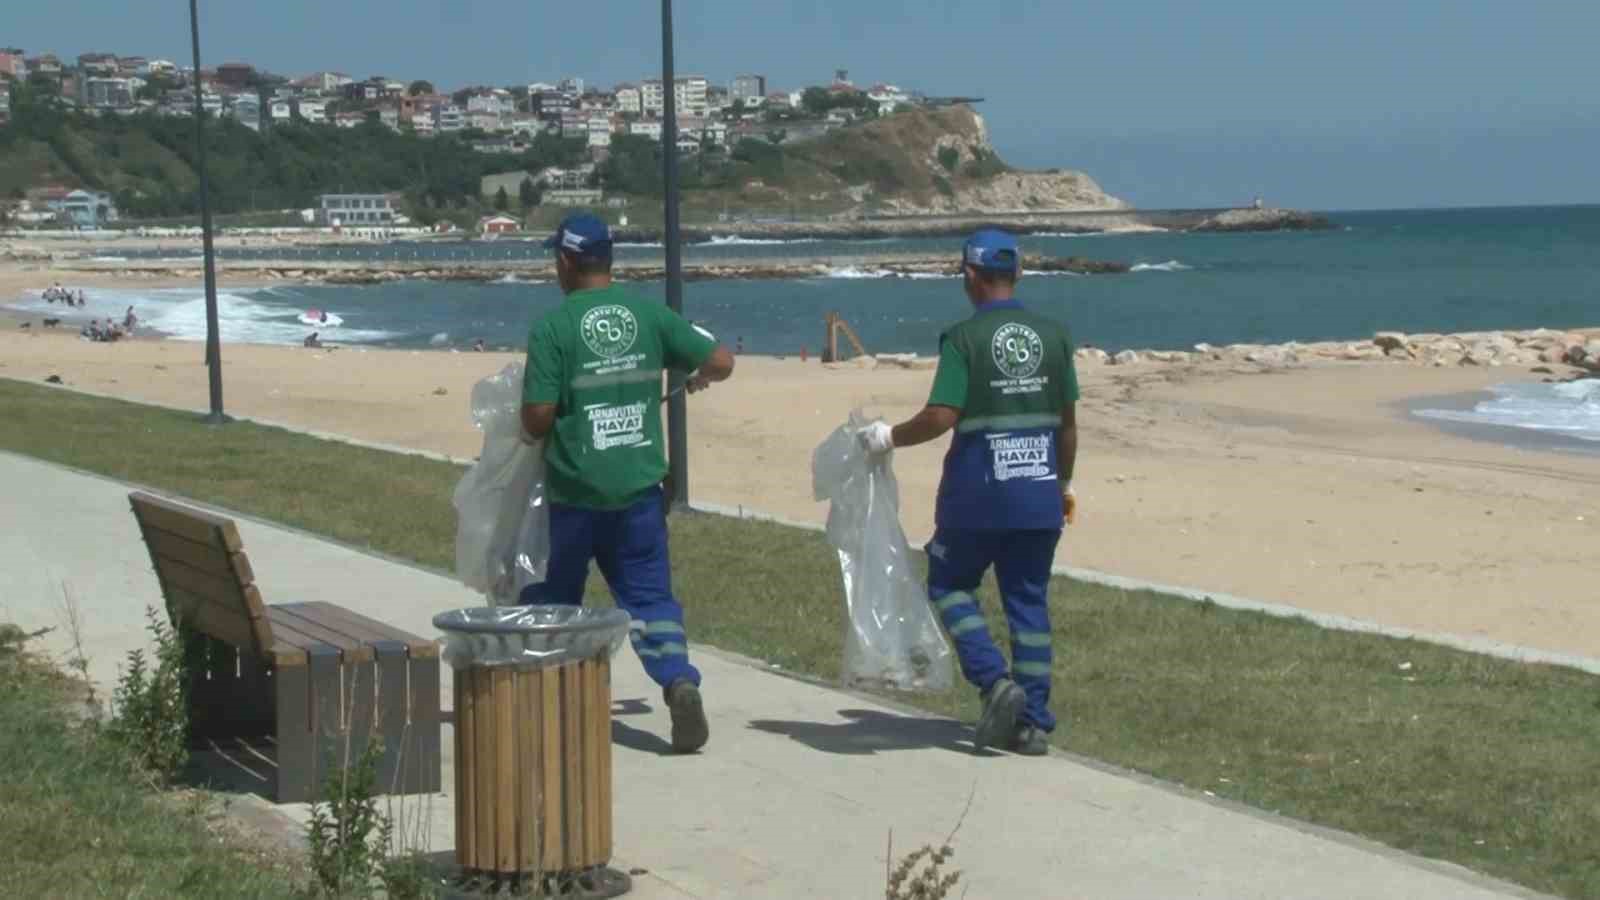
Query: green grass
point(1477, 760)
point(75, 822)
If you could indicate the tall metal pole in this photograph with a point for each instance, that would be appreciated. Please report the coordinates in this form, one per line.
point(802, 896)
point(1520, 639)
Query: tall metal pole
point(677, 407)
point(213, 340)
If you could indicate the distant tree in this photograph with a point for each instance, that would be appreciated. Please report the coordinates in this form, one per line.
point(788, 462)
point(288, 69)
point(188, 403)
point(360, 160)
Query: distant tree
point(420, 87)
point(778, 135)
point(528, 194)
point(816, 101)
point(502, 201)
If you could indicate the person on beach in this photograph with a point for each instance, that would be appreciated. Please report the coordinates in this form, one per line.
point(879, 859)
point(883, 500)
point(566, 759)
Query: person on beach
point(592, 392)
point(312, 341)
point(1007, 385)
point(130, 320)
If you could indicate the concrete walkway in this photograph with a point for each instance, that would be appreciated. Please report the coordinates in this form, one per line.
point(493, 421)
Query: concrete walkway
point(800, 786)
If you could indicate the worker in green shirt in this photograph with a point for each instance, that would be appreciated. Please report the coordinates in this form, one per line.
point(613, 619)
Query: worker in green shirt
point(592, 390)
point(1007, 385)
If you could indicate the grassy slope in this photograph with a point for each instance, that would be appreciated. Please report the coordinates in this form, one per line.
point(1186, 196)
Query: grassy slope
point(1472, 759)
point(78, 823)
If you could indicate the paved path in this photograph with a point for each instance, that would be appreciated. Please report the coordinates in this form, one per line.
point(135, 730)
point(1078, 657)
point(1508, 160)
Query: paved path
point(800, 786)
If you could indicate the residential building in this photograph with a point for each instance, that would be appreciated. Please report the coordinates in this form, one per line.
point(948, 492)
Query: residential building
point(650, 128)
point(236, 75)
point(748, 87)
point(689, 96)
point(349, 119)
point(5, 102)
point(246, 109)
point(46, 64)
point(484, 121)
point(282, 110)
point(324, 82)
point(497, 225)
point(496, 101)
point(628, 100)
point(422, 125)
point(129, 66)
point(717, 99)
point(574, 197)
point(599, 131)
point(525, 124)
point(103, 65)
point(164, 67)
point(888, 97)
point(13, 63)
point(575, 124)
point(389, 115)
point(85, 209)
point(312, 110)
point(449, 117)
point(779, 100)
point(107, 93)
point(570, 85)
point(356, 209)
point(551, 104)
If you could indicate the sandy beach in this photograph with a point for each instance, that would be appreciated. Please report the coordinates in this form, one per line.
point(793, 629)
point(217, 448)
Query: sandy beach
point(1308, 486)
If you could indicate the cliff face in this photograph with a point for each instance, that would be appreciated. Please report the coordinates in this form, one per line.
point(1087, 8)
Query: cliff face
point(940, 162)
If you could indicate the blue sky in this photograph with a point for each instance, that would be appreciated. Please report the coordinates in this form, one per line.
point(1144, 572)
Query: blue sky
point(1333, 105)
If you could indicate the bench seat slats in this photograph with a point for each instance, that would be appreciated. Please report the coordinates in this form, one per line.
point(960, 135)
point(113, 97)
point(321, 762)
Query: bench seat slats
point(351, 649)
point(356, 625)
point(208, 558)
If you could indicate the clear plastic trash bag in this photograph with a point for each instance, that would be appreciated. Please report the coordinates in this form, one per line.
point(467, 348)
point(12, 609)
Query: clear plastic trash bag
point(502, 519)
point(893, 638)
point(535, 637)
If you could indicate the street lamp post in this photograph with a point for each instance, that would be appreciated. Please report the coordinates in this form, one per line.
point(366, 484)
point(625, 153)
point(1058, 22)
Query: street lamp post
point(213, 340)
point(677, 407)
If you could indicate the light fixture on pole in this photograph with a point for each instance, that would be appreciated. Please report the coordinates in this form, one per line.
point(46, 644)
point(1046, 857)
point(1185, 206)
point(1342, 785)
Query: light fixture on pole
point(213, 339)
point(677, 408)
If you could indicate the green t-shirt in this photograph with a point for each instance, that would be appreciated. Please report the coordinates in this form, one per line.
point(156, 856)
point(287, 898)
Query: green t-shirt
point(598, 357)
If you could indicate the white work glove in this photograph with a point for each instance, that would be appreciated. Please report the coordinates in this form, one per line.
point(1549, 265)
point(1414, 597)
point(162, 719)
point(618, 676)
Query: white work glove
point(878, 438)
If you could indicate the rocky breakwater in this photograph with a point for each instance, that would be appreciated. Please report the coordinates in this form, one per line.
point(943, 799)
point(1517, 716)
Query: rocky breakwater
point(1264, 220)
point(1542, 348)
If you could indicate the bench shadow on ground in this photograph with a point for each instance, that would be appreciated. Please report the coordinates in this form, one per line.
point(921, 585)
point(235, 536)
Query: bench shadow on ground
point(235, 766)
point(866, 732)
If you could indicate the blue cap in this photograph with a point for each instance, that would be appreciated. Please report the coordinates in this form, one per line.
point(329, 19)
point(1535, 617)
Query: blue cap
point(582, 235)
point(993, 249)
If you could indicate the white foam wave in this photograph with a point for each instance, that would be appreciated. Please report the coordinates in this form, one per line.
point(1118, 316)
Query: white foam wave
point(181, 315)
point(108, 259)
point(1572, 409)
point(1037, 274)
point(734, 240)
point(856, 273)
point(1170, 265)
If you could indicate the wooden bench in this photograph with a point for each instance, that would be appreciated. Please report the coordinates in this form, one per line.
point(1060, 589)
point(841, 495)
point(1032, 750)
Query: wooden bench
point(290, 687)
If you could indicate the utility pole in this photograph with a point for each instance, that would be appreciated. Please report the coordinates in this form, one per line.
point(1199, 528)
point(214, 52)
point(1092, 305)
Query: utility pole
point(677, 407)
point(213, 339)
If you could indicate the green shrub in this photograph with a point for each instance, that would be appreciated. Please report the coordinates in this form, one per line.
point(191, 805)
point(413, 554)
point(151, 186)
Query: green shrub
point(150, 705)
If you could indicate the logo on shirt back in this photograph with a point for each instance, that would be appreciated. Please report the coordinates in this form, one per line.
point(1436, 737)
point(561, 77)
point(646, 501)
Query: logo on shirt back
point(1017, 350)
point(609, 330)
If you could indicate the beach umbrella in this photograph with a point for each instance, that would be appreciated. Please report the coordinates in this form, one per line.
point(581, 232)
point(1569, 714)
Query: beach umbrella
point(213, 339)
point(677, 408)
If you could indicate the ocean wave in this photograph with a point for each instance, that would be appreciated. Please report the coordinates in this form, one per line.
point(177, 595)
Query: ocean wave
point(734, 240)
point(1170, 265)
point(108, 259)
point(856, 273)
point(1572, 409)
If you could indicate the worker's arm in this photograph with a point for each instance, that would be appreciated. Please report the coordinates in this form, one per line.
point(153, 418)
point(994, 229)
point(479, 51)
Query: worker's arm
point(717, 367)
point(538, 419)
point(925, 426)
point(1067, 444)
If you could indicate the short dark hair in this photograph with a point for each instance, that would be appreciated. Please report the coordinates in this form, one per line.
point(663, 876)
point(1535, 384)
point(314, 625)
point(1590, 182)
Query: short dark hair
point(995, 276)
point(588, 265)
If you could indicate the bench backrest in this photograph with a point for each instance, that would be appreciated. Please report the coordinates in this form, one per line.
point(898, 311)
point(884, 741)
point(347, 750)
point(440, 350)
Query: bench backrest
point(204, 573)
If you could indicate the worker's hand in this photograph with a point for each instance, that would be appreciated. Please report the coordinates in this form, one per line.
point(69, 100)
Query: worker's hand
point(696, 383)
point(1069, 503)
point(878, 438)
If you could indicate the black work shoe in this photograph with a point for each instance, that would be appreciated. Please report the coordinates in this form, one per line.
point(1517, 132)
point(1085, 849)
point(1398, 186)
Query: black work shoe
point(690, 730)
point(998, 721)
point(1030, 741)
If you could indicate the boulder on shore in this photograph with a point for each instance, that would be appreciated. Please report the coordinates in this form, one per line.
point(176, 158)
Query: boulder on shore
point(1265, 220)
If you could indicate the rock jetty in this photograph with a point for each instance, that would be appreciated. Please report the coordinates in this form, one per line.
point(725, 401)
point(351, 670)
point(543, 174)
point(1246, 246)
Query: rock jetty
point(1540, 347)
point(1264, 220)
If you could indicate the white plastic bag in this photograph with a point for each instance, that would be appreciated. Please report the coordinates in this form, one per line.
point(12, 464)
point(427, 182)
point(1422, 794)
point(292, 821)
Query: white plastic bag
point(502, 520)
point(893, 640)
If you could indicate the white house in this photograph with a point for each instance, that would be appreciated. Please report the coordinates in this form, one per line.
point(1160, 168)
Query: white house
point(650, 128)
point(888, 97)
point(355, 209)
point(629, 101)
point(599, 128)
point(689, 96)
point(449, 117)
point(312, 110)
point(282, 110)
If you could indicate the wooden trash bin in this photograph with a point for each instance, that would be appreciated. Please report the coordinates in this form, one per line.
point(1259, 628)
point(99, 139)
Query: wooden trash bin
point(533, 744)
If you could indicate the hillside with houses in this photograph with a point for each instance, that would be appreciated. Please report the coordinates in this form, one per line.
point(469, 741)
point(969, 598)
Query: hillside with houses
point(116, 134)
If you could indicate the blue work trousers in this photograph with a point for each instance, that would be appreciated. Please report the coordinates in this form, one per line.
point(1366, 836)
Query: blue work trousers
point(630, 546)
point(957, 560)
